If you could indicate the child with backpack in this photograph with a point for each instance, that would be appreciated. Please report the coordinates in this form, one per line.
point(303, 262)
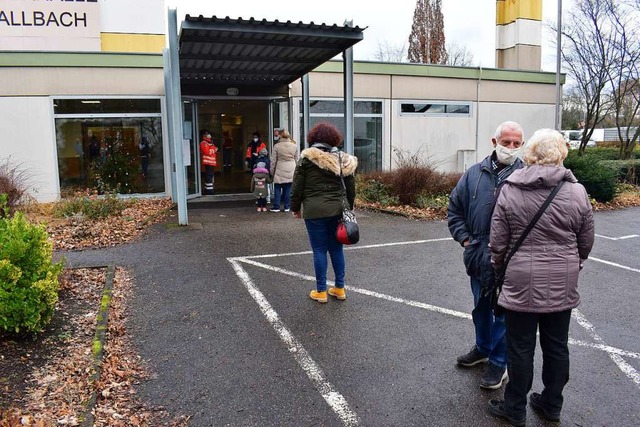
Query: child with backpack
point(259, 185)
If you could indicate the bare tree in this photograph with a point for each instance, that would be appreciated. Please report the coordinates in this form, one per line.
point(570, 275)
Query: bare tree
point(426, 41)
point(572, 109)
point(624, 77)
point(587, 54)
point(459, 55)
point(387, 52)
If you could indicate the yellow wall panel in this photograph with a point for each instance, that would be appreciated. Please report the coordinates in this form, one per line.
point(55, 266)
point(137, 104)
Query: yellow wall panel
point(509, 10)
point(119, 42)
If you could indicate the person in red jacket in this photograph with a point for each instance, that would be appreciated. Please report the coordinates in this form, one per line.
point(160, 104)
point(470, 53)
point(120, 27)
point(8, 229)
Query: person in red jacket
point(253, 151)
point(208, 151)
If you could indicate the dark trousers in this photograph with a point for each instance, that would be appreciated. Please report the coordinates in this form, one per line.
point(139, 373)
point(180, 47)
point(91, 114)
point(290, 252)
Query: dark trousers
point(262, 202)
point(521, 345)
point(208, 179)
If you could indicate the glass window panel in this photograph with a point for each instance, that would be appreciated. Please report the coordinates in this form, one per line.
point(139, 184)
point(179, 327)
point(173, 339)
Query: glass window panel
point(122, 155)
point(326, 107)
point(337, 107)
point(423, 108)
point(367, 130)
point(106, 106)
point(458, 109)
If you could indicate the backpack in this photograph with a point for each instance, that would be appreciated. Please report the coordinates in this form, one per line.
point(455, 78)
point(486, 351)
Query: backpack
point(260, 186)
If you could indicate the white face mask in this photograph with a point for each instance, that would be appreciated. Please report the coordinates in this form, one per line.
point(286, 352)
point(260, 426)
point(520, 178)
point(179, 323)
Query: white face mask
point(255, 139)
point(506, 156)
point(275, 138)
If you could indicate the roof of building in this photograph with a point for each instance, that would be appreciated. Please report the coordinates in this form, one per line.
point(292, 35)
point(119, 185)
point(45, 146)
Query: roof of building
point(250, 52)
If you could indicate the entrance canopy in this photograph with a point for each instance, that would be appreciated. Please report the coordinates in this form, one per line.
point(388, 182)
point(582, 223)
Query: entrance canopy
point(224, 56)
point(246, 58)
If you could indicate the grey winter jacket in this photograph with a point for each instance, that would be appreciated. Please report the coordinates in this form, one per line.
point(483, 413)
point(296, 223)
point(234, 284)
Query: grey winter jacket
point(317, 188)
point(469, 217)
point(542, 276)
point(283, 161)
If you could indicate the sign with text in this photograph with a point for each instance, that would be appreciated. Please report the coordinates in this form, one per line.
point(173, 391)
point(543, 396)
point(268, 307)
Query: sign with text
point(61, 25)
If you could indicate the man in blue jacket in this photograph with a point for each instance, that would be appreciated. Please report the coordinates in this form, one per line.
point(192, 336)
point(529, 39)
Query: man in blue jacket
point(469, 217)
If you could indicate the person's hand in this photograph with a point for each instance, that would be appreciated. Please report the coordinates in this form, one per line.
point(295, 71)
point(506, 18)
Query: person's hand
point(465, 243)
point(255, 154)
point(297, 215)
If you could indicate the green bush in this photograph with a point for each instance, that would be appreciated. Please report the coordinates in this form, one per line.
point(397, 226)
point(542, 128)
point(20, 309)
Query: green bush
point(91, 207)
point(372, 188)
point(433, 201)
point(28, 277)
point(598, 179)
point(626, 170)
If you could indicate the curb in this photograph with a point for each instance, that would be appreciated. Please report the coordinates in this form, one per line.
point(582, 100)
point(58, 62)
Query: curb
point(98, 342)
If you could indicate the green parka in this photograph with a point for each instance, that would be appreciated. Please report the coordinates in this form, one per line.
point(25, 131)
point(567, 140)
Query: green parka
point(317, 189)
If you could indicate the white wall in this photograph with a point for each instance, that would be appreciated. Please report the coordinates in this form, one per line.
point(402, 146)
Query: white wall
point(440, 138)
point(28, 140)
point(132, 16)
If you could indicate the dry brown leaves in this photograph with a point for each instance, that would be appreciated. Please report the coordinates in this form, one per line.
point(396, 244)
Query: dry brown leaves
point(426, 214)
point(81, 233)
point(59, 391)
point(624, 200)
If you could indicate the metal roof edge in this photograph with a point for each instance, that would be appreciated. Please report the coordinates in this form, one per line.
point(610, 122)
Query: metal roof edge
point(431, 70)
point(81, 59)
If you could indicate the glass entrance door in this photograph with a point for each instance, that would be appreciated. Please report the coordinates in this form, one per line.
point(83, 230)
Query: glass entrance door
point(190, 140)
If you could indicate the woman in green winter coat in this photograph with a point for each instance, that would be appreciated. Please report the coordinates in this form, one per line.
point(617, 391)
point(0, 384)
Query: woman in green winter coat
point(317, 196)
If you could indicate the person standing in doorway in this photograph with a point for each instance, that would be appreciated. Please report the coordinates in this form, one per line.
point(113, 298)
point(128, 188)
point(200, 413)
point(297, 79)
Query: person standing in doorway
point(227, 150)
point(283, 165)
point(253, 151)
point(469, 219)
point(208, 152)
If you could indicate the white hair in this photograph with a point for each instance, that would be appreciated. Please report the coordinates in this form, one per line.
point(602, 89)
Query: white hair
point(508, 125)
point(546, 147)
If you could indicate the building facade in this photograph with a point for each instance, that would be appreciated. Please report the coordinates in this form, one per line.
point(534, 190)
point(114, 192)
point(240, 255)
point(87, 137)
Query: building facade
point(82, 105)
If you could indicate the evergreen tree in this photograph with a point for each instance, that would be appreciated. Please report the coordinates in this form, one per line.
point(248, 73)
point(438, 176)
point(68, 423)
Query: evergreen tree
point(426, 41)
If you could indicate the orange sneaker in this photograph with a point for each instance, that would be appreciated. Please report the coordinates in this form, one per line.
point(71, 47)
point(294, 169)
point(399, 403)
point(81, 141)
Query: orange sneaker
point(318, 296)
point(339, 293)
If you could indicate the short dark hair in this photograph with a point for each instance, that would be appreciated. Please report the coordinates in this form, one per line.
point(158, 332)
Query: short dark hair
point(203, 132)
point(324, 132)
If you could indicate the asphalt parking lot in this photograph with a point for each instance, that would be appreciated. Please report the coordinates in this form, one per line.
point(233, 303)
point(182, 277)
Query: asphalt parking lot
point(221, 314)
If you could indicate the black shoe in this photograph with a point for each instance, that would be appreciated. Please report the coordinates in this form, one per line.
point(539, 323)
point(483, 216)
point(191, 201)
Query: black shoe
point(493, 377)
point(536, 402)
point(497, 409)
point(472, 358)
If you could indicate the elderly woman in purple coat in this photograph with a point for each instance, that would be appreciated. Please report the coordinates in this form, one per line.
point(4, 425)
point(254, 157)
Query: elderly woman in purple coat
point(541, 282)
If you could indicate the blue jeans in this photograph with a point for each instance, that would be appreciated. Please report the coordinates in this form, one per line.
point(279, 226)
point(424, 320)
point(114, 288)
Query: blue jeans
point(282, 192)
point(490, 330)
point(322, 236)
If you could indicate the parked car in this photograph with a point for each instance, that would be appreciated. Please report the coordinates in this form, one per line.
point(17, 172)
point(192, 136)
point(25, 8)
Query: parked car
point(573, 138)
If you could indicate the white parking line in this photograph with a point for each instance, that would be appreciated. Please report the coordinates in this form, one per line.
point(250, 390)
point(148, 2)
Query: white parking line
point(635, 270)
point(627, 369)
point(631, 236)
point(336, 401)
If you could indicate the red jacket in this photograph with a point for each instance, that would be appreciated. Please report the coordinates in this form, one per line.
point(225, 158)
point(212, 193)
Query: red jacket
point(208, 152)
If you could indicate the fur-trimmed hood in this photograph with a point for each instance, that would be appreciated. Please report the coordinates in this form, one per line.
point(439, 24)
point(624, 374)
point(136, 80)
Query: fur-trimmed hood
point(329, 160)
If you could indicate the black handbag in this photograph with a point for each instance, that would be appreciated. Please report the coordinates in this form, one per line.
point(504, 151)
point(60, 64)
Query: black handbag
point(500, 273)
point(347, 232)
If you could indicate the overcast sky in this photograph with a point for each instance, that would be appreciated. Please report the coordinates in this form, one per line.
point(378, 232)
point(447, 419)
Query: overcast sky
point(469, 23)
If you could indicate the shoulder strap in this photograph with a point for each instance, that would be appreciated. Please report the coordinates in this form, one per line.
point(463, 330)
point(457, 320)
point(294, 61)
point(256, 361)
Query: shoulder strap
point(532, 224)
